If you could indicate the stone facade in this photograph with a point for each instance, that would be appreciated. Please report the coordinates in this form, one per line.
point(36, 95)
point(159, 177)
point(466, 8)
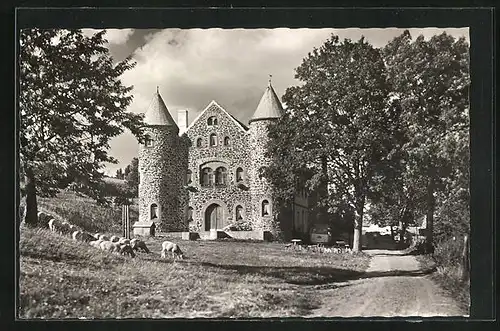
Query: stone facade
point(208, 177)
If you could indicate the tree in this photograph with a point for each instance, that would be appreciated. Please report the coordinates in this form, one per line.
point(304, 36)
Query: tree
point(71, 104)
point(431, 80)
point(132, 176)
point(335, 127)
point(119, 174)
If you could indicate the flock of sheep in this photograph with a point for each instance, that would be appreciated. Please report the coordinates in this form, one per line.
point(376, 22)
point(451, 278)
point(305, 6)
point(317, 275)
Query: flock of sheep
point(113, 244)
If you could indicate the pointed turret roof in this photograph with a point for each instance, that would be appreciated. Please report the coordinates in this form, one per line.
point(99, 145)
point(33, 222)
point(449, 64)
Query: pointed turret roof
point(157, 113)
point(269, 105)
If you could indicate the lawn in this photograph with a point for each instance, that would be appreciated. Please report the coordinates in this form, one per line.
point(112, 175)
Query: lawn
point(85, 212)
point(61, 278)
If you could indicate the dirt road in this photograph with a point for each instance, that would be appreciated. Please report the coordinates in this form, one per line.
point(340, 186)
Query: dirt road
point(393, 286)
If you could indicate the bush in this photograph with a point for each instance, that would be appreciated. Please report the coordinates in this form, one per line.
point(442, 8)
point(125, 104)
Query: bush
point(449, 252)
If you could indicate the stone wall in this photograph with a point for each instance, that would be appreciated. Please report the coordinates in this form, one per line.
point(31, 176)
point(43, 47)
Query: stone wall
point(159, 169)
point(260, 188)
point(235, 154)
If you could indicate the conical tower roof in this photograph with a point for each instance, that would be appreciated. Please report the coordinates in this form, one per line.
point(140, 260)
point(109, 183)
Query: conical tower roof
point(157, 113)
point(269, 105)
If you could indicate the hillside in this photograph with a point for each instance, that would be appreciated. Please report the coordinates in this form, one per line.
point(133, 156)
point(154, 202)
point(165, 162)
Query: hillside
point(61, 278)
point(85, 212)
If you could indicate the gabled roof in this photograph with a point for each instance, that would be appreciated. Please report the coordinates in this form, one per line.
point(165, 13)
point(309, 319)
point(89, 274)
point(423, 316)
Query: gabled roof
point(269, 105)
point(214, 103)
point(157, 112)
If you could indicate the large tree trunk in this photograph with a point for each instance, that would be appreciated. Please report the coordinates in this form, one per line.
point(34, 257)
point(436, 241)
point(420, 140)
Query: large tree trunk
point(358, 225)
point(31, 207)
point(431, 204)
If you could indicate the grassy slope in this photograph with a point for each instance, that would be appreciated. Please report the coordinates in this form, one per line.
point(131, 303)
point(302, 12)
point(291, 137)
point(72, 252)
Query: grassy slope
point(85, 212)
point(448, 278)
point(60, 278)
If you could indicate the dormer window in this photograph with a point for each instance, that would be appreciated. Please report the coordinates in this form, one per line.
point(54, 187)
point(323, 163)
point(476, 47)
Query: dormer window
point(148, 141)
point(212, 120)
point(213, 139)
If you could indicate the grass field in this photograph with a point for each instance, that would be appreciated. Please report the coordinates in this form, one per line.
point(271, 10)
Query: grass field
point(85, 212)
point(61, 278)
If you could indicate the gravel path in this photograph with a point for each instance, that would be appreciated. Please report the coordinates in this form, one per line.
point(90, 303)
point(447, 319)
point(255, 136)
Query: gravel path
point(380, 293)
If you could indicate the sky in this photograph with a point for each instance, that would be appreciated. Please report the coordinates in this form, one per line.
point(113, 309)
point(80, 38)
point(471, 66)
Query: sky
point(192, 67)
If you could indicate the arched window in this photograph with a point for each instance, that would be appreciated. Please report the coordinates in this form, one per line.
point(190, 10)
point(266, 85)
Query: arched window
point(212, 120)
point(207, 177)
point(190, 214)
point(189, 179)
point(154, 211)
point(226, 141)
point(239, 213)
point(239, 175)
point(148, 141)
point(198, 142)
point(265, 208)
point(221, 176)
point(213, 139)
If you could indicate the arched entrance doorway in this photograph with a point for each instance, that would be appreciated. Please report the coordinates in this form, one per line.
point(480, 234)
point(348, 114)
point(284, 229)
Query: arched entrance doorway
point(214, 215)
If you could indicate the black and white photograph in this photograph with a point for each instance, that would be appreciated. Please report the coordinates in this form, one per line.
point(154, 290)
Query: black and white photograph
point(232, 173)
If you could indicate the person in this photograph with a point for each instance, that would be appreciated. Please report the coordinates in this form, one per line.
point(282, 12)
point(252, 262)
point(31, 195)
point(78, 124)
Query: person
point(153, 229)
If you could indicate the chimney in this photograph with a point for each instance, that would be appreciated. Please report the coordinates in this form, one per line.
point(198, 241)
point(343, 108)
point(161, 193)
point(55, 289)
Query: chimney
point(182, 120)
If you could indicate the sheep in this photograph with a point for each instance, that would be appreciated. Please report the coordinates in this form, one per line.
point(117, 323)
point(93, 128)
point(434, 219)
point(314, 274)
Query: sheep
point(104, 237)
point(77, 235)
point(124, 241)
point(106, 245)
point(87, 237)
point(53, 225)
point(168, 246)
point(95, 243)
point(114, 239)
point(42, 217)
point(65, 228)
point(137, 244)
point(126, 250)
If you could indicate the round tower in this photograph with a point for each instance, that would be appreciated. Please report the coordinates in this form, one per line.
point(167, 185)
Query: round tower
point(159, 168)
point(265, 211)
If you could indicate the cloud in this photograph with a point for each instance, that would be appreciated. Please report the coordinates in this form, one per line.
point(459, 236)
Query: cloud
point(194, 66)
point(113, 36)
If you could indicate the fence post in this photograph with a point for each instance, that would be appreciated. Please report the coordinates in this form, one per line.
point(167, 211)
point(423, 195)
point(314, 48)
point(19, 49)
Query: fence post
point(126, 220)
point(465, 259)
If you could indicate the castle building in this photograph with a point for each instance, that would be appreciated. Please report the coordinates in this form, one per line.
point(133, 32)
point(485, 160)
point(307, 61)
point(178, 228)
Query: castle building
point(206, 175)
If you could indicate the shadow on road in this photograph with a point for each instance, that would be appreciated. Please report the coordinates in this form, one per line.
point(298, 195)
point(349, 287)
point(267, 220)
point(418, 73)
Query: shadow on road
point(313, 275)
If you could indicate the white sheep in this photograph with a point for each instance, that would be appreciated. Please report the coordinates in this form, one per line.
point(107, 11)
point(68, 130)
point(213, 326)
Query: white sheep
point(106, 245)
point(53, 225)
point(104, 237)
point(124, 241)
point(114, 239)
point(95, 243)
point(137, 244)
point(77, 235)
point(168, 246)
